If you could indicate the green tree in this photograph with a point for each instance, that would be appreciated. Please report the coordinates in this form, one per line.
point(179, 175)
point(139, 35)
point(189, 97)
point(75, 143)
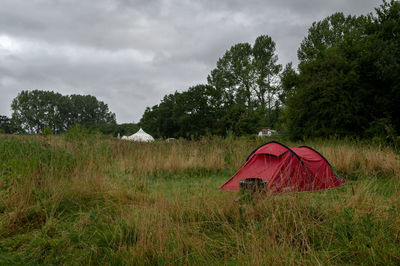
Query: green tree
point(158, 120)
point(328, 33)
point(247, 77)
point(35, 110)
point(383, 61)
point(126, 129)
point(266, 71)
point(86, 110)
point(323, 104)
point(241, 92)
point(289, 80)
point(183, 114)
point(5, 125)
point(234, 75)
point(348, 78)
point(323, 99)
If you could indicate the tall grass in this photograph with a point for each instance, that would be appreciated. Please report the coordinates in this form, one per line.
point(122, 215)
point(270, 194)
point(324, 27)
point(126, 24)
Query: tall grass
point(66, 200)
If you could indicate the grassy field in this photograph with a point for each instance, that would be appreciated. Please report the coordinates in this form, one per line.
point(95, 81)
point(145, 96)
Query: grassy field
point(94, 200)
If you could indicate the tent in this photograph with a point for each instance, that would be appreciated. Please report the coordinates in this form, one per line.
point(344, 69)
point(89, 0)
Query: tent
point(286, 169)
point(141, 136)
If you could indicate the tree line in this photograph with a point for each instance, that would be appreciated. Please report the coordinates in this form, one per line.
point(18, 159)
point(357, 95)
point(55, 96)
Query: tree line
point(34, 111)
point(347, 83)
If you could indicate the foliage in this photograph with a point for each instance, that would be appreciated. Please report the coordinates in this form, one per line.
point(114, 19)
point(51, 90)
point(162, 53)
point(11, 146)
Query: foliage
point(241, 96)
point(125, 129)
point(79, 133)
point(5, 124)
point(192, 113)
point(289, 80)
point(47, 131)
point(328, 33)
point(346, 82)
point(346, 76)
point(248, 76)
point(35, 110)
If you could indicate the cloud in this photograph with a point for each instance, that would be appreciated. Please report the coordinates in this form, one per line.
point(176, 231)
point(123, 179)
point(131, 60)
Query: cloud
point(129, 54)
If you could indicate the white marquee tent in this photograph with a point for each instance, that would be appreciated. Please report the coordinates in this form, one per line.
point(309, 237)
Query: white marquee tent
point(140, 136)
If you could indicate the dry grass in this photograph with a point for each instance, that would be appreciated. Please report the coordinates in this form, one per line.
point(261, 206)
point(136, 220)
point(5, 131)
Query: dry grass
point(103, 201)
point(180, 156)
point(354, 159)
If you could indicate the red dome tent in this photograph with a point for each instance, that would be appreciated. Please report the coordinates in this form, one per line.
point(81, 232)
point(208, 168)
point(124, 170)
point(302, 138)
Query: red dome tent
point(286, 169)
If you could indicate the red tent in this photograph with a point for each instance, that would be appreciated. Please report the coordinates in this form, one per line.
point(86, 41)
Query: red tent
point(286, 169)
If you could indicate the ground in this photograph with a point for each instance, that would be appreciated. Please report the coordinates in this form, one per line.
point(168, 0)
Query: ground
point(96, 200)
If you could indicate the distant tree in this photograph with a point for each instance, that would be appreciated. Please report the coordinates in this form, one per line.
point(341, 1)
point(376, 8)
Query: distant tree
point(240, 94)
point(126, 129)
point(35, 110)
point(5, 124)
point(158, 120)
point(289, 80)
point(88, 111)
point(328, 33)
point(323, 104)
point(382, 61)
point(249, 122)
point(248, 76)
point(194, 113)
point(266, 72)
point(322, 99)
point(183, 114)
point(234, 75)
point(47, 131)
point(348, 80)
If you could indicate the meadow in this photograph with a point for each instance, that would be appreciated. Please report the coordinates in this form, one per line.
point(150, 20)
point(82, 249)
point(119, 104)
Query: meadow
point(81, 199)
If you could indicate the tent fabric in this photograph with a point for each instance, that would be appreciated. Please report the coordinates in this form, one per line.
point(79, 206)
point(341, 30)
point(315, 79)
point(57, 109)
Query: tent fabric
point(141, 136)
point(286, 169)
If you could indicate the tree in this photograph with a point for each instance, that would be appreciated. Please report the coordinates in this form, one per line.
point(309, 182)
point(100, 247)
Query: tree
point(35, 110)
point(323, 104)
point(248, 76)
point(88, 111)
point(158, 120)
point(289, 80)
point(348, 80)
point(323, 98)
point(5, 124)
point(266, 71)
point(384, 39)
point(183, 114)
point(234, 75)
point(241, 91)
point(327, 33)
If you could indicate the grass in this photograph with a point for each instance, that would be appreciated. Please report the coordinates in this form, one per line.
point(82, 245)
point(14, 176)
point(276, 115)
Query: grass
point(94, 200)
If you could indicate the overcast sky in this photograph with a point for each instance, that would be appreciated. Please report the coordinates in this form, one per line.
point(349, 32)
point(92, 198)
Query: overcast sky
point(131, 53)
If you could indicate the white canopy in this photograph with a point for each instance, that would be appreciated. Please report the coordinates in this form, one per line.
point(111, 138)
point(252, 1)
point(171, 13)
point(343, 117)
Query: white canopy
point(141, 136)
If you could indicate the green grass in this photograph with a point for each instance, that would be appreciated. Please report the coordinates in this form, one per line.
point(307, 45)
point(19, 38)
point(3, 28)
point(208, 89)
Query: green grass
point(100, 201)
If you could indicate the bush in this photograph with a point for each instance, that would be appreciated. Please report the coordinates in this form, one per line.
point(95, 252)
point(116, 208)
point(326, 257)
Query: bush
point(80, 133)
point(47, 131)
